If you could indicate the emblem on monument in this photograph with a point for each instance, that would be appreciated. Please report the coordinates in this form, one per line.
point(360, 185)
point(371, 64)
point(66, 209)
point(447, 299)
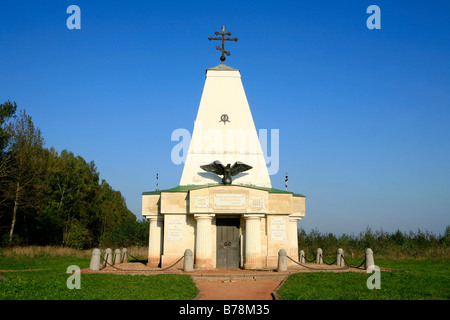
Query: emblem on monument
point(227, 171)
point(224, 118)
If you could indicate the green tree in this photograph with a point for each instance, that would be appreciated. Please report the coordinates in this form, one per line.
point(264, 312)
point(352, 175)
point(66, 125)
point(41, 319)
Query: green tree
point(7, 112)
point(25, 149)
point(70, 186)
point(51, 198)
point(110, 210)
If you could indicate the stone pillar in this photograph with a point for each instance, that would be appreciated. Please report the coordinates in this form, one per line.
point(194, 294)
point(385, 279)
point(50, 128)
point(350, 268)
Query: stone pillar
point(302, 257)
point(188, 263)
point(108, 257)
point(117, 256)
point(124, 255)
point(369, 258)
point(340, 257)
point(155, 240)
point(95, 260)
point(203, 240)
point(253, 259)
point(319, 256)
point(282, 260)
point(293, 237)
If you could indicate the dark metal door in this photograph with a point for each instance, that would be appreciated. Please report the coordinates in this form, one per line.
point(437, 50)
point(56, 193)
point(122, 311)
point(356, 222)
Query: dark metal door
point(228, 248)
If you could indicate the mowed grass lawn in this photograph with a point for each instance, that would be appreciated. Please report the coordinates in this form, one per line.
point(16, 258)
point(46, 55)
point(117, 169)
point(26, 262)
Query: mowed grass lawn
point(416, 279)
point(49, 282)
point(44, 278)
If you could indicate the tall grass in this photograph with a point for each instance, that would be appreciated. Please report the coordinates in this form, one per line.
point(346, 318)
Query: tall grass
point(394, 245)
point(43, 251)
point(55, 251)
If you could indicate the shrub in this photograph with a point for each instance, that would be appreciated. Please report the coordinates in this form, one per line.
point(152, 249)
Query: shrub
point(78, 236)
point(127, 234)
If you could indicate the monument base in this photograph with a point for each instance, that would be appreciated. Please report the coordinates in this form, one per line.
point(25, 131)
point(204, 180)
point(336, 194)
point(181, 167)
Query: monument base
point(168, 260)
point(231, 226)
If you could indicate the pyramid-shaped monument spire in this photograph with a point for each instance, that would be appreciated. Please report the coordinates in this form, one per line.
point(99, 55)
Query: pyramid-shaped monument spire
point(224, 130)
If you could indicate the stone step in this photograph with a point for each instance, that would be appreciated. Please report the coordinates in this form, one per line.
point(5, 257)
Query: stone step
point(223, 276)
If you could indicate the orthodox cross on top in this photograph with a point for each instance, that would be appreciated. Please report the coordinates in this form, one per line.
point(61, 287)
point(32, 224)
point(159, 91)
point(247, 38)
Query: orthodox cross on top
point(223, 33)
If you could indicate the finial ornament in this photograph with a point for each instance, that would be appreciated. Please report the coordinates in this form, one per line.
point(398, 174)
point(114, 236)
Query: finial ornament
point(157, 187)
point(285, 182)
point(223, 34)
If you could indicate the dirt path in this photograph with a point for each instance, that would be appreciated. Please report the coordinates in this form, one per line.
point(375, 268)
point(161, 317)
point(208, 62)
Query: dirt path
point(259, 289)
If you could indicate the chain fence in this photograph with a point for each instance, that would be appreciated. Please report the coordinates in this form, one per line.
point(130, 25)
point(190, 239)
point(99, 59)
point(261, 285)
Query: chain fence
point(312, 268)
point(310, 260)
point(356, 265)
point(105, 263)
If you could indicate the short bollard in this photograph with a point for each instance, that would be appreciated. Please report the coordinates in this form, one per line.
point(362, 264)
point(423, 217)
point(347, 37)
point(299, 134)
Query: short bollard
point(302, 256)
point(95, 260)
point(188, 263)
point(108, 257)
point(117, 256)
point(369, 259)
point(319, 256)
point(340, 257)
point(124, 255)
point(282, 260)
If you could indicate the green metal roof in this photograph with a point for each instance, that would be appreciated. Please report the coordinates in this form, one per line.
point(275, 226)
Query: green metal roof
point(195, 187)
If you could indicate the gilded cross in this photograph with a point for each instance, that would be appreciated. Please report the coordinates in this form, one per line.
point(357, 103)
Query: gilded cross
point(223, 34)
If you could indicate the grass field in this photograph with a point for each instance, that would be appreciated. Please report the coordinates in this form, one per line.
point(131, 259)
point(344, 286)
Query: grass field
point(417, 279)
point(41, 275)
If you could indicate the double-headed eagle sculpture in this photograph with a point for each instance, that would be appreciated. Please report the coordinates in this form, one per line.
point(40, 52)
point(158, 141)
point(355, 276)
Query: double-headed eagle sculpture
point(227, 171)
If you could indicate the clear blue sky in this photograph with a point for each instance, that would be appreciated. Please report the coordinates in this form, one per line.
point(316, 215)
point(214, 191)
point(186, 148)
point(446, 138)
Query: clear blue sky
point(364, 115)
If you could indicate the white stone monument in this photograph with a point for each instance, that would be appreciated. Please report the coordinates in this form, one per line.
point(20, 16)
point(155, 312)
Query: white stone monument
point(242, 224)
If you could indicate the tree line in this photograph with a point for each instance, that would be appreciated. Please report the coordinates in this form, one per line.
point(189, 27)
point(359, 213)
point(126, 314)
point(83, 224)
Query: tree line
point(56, 198)
point(388, 244)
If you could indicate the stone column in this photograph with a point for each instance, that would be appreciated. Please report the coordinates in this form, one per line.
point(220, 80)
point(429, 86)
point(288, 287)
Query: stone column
point(319, 256)
point(369, 259)
point(302, 257)
point(117, 256)
point(282, 260)
point(253, 259)
point(108, 257)
point(95, 260)
point(188, 263)
point(293, 237)
point(340, 257)
point(203, 240)
point(124, 255)
point(155, 240)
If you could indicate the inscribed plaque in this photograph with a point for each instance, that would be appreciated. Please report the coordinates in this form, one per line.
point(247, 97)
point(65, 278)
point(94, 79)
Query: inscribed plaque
point(278, 228)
